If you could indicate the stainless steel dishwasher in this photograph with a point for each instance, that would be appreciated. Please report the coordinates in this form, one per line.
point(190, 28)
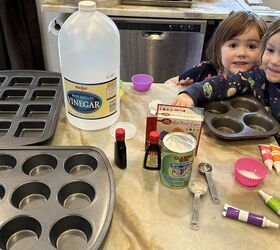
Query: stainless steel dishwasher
point(160, 47)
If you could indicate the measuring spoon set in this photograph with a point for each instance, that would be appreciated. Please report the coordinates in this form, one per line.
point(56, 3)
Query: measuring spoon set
point(199, 188)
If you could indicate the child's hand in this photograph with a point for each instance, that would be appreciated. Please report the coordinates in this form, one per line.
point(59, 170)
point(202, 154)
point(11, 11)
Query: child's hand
point(172, 80)
point(183, 82)
point(186, 81)
point(183, 100)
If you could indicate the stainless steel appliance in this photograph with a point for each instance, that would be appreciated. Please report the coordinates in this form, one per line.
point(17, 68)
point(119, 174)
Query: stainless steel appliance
point(160, 47)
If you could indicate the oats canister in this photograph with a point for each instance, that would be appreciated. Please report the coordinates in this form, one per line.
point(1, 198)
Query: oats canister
point(177, 157)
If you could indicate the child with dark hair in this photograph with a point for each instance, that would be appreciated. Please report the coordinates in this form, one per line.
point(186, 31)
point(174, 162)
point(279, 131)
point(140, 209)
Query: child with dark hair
point(232, 48)
point(263, 82)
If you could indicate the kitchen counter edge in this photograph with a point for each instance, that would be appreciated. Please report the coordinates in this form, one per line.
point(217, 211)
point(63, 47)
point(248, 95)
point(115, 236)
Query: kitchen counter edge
point(210, 9)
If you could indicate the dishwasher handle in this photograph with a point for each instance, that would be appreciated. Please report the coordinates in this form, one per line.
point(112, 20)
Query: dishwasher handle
point(154, 35)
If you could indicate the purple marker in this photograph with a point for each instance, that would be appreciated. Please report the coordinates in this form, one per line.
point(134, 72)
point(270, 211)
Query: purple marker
point(251, 218)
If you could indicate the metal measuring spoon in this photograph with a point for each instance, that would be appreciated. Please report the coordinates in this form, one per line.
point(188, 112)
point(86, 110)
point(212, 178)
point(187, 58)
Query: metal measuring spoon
point(197, 187)
point(206, 169)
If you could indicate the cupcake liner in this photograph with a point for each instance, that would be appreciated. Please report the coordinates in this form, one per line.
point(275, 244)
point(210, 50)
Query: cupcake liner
point(249, 172)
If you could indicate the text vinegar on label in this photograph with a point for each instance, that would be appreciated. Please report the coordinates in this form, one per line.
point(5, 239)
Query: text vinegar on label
point(89, 52)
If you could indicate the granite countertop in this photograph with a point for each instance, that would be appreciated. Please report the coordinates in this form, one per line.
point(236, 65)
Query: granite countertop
point(201, 9)
point(149, 215)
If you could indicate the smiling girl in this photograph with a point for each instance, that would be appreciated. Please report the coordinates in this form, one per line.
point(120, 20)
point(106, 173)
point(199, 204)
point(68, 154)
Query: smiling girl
point(263, 82)
point(233, 47)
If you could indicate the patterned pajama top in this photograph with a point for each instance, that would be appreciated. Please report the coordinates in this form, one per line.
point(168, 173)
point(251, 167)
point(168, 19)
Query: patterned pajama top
point(199, 72)
point(252, 82)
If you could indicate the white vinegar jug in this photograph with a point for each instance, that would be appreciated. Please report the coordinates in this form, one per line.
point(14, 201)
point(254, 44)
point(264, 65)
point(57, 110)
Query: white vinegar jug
point(89, 53)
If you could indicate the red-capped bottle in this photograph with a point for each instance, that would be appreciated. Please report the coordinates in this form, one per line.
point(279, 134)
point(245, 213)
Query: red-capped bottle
point(152, 160)
point(120, 148)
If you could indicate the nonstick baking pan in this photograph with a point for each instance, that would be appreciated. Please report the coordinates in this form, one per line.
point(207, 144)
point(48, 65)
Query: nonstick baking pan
point(241, 117)
point(30, 102)
point(55, 198)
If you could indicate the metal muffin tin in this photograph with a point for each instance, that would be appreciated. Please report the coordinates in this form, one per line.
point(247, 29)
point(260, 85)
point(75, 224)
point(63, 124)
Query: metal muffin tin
point(55, 198)
point(242, 117)
point(30, 102)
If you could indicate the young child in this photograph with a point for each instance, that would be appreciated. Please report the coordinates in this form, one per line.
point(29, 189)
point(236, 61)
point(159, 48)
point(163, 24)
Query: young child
point(232, 48)
point(263, 82)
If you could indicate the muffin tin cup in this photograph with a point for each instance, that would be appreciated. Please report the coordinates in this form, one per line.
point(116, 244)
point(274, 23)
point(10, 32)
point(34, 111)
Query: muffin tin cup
point(30, 102)
point(56, 209)
point(241, 117)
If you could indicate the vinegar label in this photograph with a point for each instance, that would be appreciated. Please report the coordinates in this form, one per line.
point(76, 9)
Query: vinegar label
point(91, 101)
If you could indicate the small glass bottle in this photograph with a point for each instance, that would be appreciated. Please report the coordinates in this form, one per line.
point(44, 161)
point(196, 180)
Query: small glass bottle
point(120, 148)
point(152, 160)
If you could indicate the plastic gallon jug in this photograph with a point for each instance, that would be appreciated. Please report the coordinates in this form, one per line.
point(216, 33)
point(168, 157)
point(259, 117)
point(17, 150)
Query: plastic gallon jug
point(89, 52)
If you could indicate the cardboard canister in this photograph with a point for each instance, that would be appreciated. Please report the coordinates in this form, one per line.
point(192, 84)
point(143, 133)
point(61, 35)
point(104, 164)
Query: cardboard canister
point(177, 157)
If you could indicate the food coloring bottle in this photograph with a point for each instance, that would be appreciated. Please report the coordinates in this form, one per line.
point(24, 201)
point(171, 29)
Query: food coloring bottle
point(120, 149)
point(271, 201)
point(152, 160)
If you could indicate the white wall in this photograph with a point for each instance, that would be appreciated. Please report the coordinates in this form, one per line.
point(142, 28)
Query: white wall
point(274, 4)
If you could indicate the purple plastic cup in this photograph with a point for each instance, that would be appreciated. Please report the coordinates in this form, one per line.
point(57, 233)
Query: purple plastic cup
point(142, 82)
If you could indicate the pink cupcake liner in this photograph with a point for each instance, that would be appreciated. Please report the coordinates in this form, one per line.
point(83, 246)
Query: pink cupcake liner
point(249, 171)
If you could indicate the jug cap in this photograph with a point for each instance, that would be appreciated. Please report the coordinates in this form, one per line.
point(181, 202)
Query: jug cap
point(87, 5)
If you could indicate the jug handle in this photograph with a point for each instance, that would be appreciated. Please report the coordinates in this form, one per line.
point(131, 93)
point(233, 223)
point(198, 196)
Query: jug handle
point(57, 22)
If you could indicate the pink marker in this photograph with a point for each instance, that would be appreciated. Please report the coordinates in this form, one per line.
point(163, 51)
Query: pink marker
point(266, 156)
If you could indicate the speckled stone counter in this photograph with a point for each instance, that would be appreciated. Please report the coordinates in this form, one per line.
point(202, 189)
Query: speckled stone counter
point(149, 215)
point(207, 9)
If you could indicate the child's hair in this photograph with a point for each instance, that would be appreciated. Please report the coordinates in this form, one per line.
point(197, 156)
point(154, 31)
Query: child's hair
point(272, 29)
point(234, 25)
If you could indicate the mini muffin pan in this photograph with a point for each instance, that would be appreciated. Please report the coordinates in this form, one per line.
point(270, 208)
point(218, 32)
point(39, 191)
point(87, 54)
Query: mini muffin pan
point(30, 102)
point(55, 198)
point(242, 117)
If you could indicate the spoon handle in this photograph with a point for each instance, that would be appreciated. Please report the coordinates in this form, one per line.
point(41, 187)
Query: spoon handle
point(214, 194)
point(195, 212)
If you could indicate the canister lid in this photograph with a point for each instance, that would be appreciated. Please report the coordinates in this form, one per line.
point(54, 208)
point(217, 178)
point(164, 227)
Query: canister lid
point(87, 5)
point(179, 142)
point(130, 129)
